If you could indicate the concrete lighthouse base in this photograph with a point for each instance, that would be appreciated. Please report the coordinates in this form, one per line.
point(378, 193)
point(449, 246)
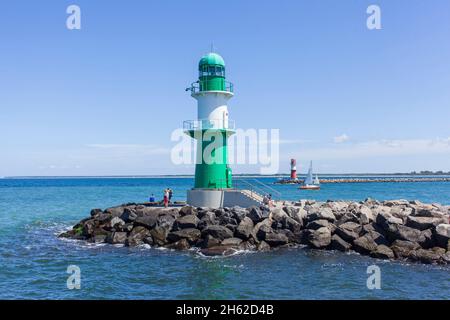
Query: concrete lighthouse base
point(220, 198)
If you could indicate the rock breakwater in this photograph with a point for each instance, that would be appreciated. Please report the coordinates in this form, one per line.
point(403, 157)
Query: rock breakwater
point(368, 180)
point(396, 229)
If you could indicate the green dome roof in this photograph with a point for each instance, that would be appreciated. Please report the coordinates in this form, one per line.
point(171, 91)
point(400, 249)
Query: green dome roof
point(212, 59)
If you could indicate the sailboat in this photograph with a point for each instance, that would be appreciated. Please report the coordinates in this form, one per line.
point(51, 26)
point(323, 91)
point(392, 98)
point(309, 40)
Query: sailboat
point(309, 183)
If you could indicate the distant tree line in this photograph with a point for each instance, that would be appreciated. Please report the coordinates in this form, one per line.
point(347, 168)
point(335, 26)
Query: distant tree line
point(427, 172)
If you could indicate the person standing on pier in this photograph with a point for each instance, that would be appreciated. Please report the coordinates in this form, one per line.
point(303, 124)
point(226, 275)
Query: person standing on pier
point(166, 198)
point(170, 195)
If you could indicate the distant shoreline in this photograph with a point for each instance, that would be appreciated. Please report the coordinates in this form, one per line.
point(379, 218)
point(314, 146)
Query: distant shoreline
point(235, 175)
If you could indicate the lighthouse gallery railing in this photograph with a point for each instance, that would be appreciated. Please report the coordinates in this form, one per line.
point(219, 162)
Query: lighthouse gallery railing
point(205, 124)
point(195, 87)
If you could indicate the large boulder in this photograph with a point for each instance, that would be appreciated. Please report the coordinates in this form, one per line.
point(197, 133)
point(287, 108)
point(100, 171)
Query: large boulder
point(319, 238)
point(117, 238)
point(209, 218)
point(231, 242)
point(257, 214)
point(337, 243)
point(188, 210)
point(348, 217)
point(404, 249)
point(256, 234)
point(166, 219)
point(96, 212)
point(423, 223)
point(377, 237)
point(148, 221)
point(320, 213)
point(401, 212)
point(103, 218)
point(244, 229)
point(427, 256)
point(366, 228)
point(276, 239)
point(427, 211)
point(187, 221)
point(263, 246)
point(365, 215)
point(383, 252)
point(401, 232)
point(442, 235)
point(365, 244)
point(349, 231)
point(137, 235)
point(181, 245)
point(128, 215)
point(190, 234)
point(263, 230)
point(89, 227)
point(316, 224)
point(384, 220)
point(218, 232)
point(281, 220)
point(209, 241)
point(427, 240)
point(291, 236)
point(99, 238)
point(159, 235)
point(296, 213)
point(338, 206)
point(115, 211)
point(116, 222)
point(238, 213)
point(396, 203)
point(228, 219)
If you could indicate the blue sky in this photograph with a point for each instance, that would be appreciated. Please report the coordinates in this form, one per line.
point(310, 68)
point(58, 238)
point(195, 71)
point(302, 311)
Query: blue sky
point(105, 99)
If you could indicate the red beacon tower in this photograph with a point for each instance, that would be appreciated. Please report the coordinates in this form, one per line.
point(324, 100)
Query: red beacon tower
point(293, 169)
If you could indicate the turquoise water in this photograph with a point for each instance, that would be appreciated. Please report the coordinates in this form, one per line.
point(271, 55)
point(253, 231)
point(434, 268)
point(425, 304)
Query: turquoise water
point(33, 261)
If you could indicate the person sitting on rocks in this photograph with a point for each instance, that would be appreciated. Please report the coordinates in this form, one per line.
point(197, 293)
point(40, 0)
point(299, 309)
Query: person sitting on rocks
point(152, 198)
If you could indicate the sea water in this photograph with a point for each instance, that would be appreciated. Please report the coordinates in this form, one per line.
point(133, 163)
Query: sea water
point(34, 262)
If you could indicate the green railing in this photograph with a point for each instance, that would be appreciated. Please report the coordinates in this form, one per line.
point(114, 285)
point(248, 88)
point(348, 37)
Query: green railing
point(257, 188)
point(195, 87)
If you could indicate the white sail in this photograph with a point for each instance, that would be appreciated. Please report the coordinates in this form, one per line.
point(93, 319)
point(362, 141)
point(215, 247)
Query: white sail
point(309, 176)
point(316, 180)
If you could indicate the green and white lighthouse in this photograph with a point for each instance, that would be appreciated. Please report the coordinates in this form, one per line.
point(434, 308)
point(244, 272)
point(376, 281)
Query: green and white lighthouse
point(211, 129)
point(213, 185)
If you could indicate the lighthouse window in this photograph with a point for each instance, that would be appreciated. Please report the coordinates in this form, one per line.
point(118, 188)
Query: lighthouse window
point(217, 71)
point(212, 71)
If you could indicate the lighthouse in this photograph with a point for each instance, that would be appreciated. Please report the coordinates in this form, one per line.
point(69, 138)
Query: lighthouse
point(293, 169)
point(213, 186)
